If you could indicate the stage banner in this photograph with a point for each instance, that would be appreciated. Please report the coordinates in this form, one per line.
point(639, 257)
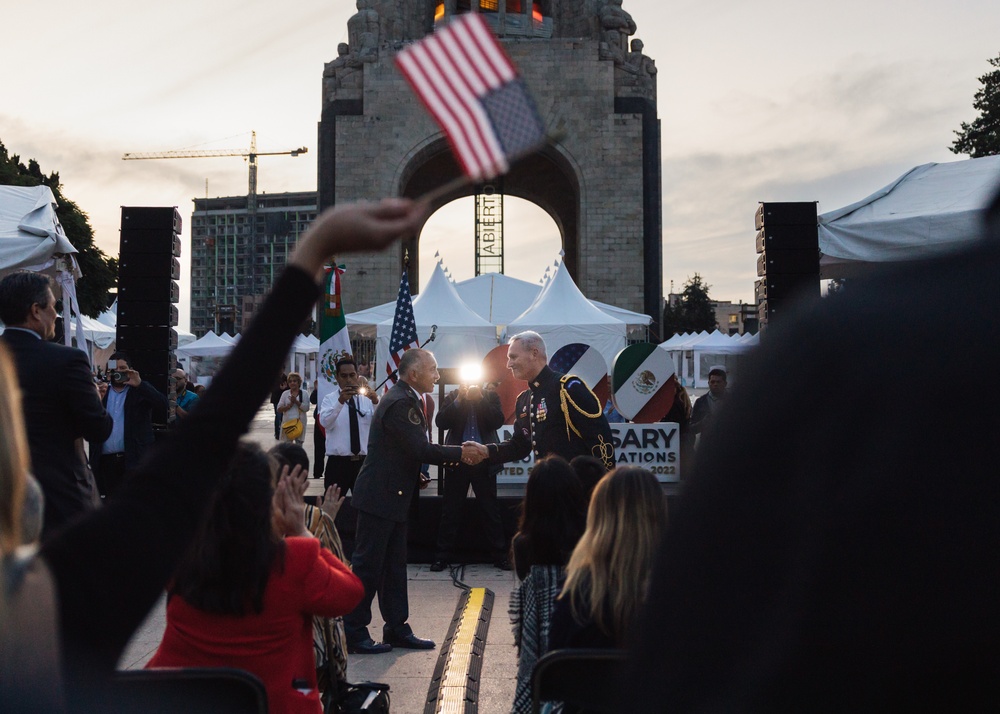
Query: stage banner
point(642, 390)
point(655, 447)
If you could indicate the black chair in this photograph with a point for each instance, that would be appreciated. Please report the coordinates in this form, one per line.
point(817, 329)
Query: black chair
point(186, 690)
point(585, 680)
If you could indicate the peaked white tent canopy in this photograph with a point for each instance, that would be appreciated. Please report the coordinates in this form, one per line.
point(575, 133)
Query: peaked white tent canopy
point(929, 210)
point(209, 345)
point(695, 354)
point(562, 315)
point(497, 298)
point(30, 233)
point(462, 335)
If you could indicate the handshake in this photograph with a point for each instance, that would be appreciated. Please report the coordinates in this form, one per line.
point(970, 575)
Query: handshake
point(473, 453)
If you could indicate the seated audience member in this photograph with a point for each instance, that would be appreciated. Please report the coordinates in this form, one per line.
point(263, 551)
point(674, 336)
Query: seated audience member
point(552, 518)
point(837, 549)
point(608, 574)
point(244, 597)
point(590, 470)
point(551, 524)
point(321, 523)
point(61, 634)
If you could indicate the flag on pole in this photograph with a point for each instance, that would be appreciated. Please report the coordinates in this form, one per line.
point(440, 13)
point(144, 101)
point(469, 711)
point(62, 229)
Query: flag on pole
point(334, 342)
point(473, 91)
point(404, 329)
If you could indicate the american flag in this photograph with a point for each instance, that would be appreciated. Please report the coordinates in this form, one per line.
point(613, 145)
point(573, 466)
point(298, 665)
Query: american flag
point(475, 94)
point(404, 329)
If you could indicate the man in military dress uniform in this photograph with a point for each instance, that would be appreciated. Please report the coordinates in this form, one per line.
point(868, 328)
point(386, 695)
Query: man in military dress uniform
point(397, 446)
point(556, 414)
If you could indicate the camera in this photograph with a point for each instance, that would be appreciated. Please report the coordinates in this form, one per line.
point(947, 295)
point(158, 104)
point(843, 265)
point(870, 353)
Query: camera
point(118, 377)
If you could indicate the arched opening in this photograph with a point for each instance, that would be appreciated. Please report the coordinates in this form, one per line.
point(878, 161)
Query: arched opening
point(532, 240)
point(544, 179)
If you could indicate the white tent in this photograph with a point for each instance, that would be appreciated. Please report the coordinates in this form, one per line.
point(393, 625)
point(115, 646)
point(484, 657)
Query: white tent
point(929, 210)
point(462, 335)
point(95, 332)
point(562, 315)
point(695, 354)
point(305, 345)
point(30, 232)
point(497, 298)
point(32, 238)
point(209, 345)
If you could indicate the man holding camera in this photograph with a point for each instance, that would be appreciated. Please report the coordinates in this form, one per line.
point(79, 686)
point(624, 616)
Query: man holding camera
point(133, 406)
point(346, 414)
point(470, 413)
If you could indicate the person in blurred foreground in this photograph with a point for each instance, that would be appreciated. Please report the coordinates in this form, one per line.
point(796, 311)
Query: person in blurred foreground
point(67, 612)
point(837, 549)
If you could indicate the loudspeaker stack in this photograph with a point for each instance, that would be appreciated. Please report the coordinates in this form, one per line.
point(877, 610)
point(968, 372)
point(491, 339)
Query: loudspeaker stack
point(788, 257)
point(148, 271)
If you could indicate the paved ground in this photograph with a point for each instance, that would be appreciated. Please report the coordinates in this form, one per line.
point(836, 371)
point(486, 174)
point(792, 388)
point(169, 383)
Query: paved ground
point(433, 599)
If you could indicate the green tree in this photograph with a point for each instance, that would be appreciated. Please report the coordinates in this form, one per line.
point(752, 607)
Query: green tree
point(693, 311)
point(982, 136)
point(99, 271)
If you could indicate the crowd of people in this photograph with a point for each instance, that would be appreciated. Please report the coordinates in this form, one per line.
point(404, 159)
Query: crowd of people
point(829, 552)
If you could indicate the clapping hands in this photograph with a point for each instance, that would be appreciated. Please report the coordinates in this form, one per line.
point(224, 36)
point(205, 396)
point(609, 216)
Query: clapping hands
point(288, 504)
point(331, 501)
point(473, 453)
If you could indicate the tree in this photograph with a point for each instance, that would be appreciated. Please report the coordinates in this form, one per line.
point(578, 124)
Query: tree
point(99, 271)
point(693, 311)
point(982, 136)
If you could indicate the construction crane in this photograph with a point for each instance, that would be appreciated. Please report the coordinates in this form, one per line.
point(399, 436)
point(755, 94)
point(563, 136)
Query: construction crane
point(251, 157)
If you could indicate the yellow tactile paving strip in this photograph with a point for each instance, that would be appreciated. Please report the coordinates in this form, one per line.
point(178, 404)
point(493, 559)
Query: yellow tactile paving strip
point(453, 692)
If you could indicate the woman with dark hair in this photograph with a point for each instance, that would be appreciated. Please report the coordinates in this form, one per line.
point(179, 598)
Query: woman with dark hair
point(553, 516)
point(608, 573)
point(552, 520)
point(255, 576)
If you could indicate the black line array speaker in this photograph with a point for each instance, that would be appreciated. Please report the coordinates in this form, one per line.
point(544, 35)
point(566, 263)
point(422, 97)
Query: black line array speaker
point(788, 257)
point(147, 290)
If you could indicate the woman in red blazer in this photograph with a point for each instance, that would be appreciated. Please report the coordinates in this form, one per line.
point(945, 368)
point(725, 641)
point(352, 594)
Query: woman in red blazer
point(246, 594)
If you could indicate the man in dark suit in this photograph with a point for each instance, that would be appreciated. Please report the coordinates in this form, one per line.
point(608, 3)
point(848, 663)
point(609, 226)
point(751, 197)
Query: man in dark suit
point(397, 446)
point(60, 402)
point(133, 405)
point(471, 413)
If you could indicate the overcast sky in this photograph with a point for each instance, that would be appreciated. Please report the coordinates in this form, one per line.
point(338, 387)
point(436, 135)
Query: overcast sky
point(770, 100)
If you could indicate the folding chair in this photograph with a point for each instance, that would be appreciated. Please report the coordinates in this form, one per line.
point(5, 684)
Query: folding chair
point(186, 690)
point(583, 679)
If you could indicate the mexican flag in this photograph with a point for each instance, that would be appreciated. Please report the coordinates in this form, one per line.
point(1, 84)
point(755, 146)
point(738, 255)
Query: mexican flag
point(333, 340)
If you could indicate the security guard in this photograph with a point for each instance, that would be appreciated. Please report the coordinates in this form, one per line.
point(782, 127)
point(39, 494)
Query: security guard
point(397, 446)
point(556, 414)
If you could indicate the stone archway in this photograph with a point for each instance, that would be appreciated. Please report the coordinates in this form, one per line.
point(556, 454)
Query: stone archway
point(599, 180)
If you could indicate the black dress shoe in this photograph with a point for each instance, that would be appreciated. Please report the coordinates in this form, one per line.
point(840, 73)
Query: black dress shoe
point(369, 646)
point(438, 565)
point(503, 564)
point(409, 642)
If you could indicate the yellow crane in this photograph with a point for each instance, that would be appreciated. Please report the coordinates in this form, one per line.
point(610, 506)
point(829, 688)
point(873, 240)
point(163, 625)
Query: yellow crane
point(251, 157)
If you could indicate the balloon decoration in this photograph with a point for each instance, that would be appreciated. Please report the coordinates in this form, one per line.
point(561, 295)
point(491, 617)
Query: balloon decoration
point(642, 388)
point(495, 370)
point(586, 363)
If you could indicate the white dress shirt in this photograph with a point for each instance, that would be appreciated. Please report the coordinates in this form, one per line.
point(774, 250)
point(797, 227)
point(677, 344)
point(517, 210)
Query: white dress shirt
point(335, 418)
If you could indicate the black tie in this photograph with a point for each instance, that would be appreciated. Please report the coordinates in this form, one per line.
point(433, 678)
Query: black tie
point(355, 432)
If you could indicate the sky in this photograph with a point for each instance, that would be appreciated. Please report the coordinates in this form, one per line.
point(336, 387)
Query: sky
point(765, 101)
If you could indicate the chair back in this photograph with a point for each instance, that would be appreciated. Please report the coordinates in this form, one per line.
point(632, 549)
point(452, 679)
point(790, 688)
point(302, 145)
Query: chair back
point(187, 690)
point(584, 679)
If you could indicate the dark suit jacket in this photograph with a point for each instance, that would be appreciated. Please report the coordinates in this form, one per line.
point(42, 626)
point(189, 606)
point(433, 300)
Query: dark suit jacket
point(489, 417)
point(143, 406)
point(60, 405)
point(397, 446)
